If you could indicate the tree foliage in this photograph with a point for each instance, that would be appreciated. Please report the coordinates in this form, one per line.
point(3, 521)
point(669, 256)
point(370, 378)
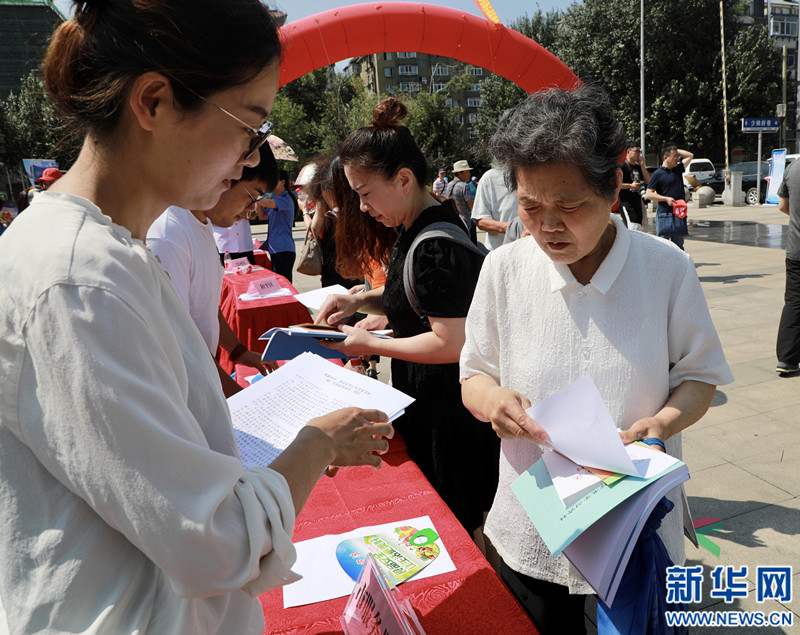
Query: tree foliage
point(599, 40)
point(754, 76)
point(437, 130)
point(31, 128)
point(315, 113)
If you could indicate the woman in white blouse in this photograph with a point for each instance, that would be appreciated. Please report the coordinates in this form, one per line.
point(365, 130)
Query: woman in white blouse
point(125, 508)
point(581, 296)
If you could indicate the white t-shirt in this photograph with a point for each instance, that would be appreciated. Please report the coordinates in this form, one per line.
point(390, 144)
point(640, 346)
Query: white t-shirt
point(125, 508)
point(187, 250)
point(494, 200)
point(640, 328)
point(235, 239)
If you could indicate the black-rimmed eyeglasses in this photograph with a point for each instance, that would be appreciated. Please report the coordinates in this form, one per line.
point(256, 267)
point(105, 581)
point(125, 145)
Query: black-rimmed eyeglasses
point(252, 213)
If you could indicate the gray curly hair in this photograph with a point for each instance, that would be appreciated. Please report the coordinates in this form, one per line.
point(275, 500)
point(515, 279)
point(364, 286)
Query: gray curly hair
point(559, 126)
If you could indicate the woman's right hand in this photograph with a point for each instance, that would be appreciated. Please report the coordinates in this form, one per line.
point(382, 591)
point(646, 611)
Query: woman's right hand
point(356, 435)
point(505, 409)
point(337, 308)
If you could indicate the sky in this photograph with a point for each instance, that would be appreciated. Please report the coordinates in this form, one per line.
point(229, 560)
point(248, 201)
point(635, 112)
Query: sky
point(508, 10)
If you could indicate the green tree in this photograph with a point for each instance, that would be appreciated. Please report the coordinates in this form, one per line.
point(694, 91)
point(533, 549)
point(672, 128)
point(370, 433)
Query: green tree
point(499, 94)
point(32, 129)
point(599, 41)
point(754, 73)
point(316, 112)
point(436, 128)
point(349, 107)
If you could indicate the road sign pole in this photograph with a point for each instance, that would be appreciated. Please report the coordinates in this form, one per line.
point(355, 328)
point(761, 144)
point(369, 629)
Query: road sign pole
point(758, 171)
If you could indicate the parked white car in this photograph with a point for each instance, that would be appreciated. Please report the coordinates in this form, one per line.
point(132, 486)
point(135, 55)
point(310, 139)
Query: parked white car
point(700, 168)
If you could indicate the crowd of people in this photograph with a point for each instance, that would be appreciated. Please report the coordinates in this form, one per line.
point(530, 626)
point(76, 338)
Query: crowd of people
point(126, 508)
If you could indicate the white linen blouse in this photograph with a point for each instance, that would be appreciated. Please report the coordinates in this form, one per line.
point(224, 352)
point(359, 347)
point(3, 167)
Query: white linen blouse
point(125, 508)
point(640, 328)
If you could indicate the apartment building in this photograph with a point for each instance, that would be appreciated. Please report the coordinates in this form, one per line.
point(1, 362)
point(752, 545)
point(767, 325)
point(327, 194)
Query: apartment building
point(398, 73)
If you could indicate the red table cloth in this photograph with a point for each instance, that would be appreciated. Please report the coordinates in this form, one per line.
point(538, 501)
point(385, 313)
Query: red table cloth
point(470, 600)
point(249, 319)
point(262, 259)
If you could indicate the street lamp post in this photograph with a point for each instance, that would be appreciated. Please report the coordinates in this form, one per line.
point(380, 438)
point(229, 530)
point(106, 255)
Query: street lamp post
point(641, 77)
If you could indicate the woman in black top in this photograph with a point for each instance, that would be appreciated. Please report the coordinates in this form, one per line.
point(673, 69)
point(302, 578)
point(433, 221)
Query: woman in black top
point(456, 453)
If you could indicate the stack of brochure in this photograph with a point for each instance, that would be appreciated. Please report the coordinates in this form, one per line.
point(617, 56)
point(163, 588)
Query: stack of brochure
point(591, 496)
point(268, 415)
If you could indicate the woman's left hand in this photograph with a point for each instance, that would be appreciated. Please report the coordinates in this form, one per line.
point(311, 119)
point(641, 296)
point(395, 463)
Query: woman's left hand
point(645, 428)
point(358, 342)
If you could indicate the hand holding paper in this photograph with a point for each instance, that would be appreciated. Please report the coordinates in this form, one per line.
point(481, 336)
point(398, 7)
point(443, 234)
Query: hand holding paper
point(503, 408)
point(581, 428)
point(268, 415)
point(355, 434)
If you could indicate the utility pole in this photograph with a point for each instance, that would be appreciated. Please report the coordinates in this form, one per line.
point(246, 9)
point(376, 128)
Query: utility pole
point(782, 106)
point(641, 78)
point(724, 94)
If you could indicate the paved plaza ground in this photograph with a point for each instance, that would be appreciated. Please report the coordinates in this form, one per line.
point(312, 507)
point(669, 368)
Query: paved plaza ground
point(744, 455)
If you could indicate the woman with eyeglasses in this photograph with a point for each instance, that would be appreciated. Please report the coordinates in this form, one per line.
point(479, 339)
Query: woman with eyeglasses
point(125, 508)
point(278, 210)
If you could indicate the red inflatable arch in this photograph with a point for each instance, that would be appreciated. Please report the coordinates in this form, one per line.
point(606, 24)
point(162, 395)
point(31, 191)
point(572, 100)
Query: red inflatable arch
point(363, 29)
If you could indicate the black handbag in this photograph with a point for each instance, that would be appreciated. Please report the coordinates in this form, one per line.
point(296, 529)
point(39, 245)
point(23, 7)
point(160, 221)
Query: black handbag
point(667, 224)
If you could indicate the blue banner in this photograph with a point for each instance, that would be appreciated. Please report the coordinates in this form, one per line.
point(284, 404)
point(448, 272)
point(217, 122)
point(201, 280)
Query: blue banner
point(776, 175)
point(35, 167)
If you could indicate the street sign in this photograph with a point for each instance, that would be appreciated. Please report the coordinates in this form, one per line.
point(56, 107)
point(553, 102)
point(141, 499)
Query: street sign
point(761, 124)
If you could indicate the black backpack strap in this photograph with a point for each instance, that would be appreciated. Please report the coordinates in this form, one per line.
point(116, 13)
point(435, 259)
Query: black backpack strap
point(441, 229)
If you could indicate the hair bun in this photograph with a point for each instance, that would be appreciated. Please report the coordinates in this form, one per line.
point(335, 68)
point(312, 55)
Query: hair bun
point(86, 12)
point(389, 113)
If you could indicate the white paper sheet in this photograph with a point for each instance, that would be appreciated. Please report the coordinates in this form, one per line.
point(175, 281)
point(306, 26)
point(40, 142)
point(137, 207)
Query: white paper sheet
point(581, 428)
point(572, 482)
point(256, 296)
point(648, 461)
point(323, 577)
point(314, 299)
point(267, 415)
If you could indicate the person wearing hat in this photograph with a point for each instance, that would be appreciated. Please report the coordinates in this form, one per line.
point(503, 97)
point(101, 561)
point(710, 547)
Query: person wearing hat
point(49, 176)
point(439, 184)
point(458, 189)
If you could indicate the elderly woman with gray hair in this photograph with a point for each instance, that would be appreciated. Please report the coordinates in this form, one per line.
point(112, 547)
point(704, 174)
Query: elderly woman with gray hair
point(582, 295)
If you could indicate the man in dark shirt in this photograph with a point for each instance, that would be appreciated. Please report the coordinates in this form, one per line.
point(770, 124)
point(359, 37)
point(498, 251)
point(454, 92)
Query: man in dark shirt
point(788, 347)
point(666, 187)
point(634, 176)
